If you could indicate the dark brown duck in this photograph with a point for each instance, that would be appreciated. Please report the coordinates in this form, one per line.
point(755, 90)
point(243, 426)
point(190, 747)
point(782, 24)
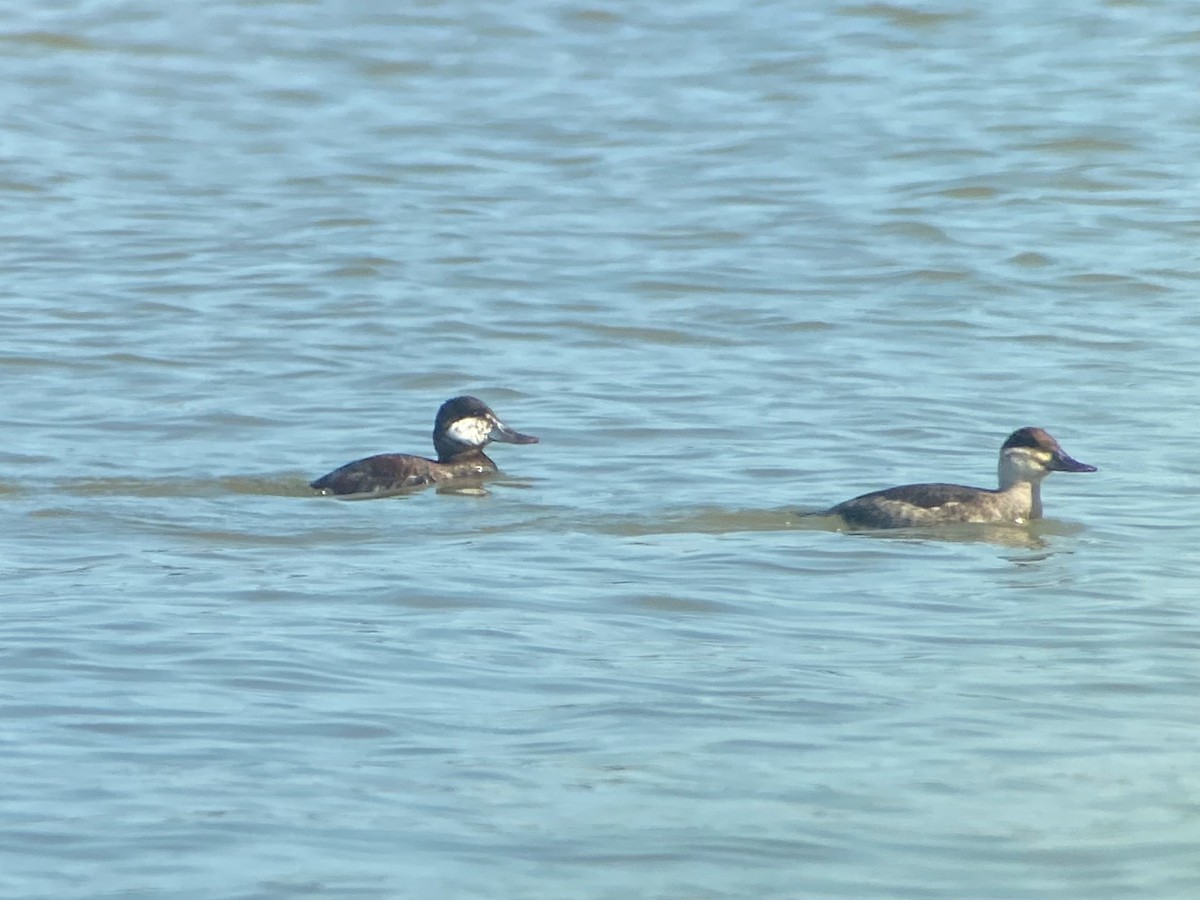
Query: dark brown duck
point(1026, 458)
point(464, 426)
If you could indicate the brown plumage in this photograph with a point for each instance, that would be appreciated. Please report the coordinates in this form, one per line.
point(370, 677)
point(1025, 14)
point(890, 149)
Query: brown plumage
point(464, 426)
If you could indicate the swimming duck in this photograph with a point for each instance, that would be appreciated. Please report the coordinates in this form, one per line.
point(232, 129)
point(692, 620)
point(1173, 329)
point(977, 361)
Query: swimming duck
point(464, 426)
point(1026, 458)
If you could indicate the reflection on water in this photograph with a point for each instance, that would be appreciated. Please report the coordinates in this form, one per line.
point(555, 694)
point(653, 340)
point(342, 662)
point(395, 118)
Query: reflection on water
point(699, 521)
point(280, 485)
point(291, 485)
point(721, 521)
point(1001, 535)
point(706, 520)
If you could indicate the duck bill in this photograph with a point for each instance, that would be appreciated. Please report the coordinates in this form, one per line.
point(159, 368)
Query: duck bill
point(1063, 463)
point(505, 435)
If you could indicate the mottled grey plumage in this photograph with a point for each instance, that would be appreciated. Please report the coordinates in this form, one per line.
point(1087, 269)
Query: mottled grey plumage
point(464, 426)
point(1026, 458)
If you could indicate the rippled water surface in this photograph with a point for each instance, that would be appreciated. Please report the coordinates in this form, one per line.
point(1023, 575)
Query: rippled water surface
point(730, 262)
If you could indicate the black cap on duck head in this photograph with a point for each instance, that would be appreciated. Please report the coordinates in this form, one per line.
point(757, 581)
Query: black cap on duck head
point(1038, 439)
point(459, 408)
point(466, 422)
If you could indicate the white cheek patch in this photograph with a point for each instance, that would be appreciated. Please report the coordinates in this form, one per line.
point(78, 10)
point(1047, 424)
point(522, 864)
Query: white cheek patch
point(1029, 461)
point(1039, 460)
point(473, 432)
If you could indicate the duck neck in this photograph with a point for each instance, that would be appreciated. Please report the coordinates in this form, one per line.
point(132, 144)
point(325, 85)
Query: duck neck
point(1035, 501)
point(450, 454)
point(1026, 493)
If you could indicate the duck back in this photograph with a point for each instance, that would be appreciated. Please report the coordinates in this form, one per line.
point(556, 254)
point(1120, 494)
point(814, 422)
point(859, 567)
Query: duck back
point(394, 472)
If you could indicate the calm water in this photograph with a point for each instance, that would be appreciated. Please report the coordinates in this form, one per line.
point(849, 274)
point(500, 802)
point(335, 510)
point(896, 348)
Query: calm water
point(730, 262)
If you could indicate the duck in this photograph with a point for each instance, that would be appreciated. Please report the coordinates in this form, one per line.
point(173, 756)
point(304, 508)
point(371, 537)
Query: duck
point(1026, 458)
point(463, 427)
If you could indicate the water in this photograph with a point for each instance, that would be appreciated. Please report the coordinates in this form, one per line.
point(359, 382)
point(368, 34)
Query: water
point(729, 264)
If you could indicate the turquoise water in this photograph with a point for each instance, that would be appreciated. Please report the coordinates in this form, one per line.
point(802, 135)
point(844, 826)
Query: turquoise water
point(729, 264)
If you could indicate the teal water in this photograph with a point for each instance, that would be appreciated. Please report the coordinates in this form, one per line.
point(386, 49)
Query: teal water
point(729, 264)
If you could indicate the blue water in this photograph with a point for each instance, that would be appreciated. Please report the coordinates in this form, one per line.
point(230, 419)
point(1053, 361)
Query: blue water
point(730, 264)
